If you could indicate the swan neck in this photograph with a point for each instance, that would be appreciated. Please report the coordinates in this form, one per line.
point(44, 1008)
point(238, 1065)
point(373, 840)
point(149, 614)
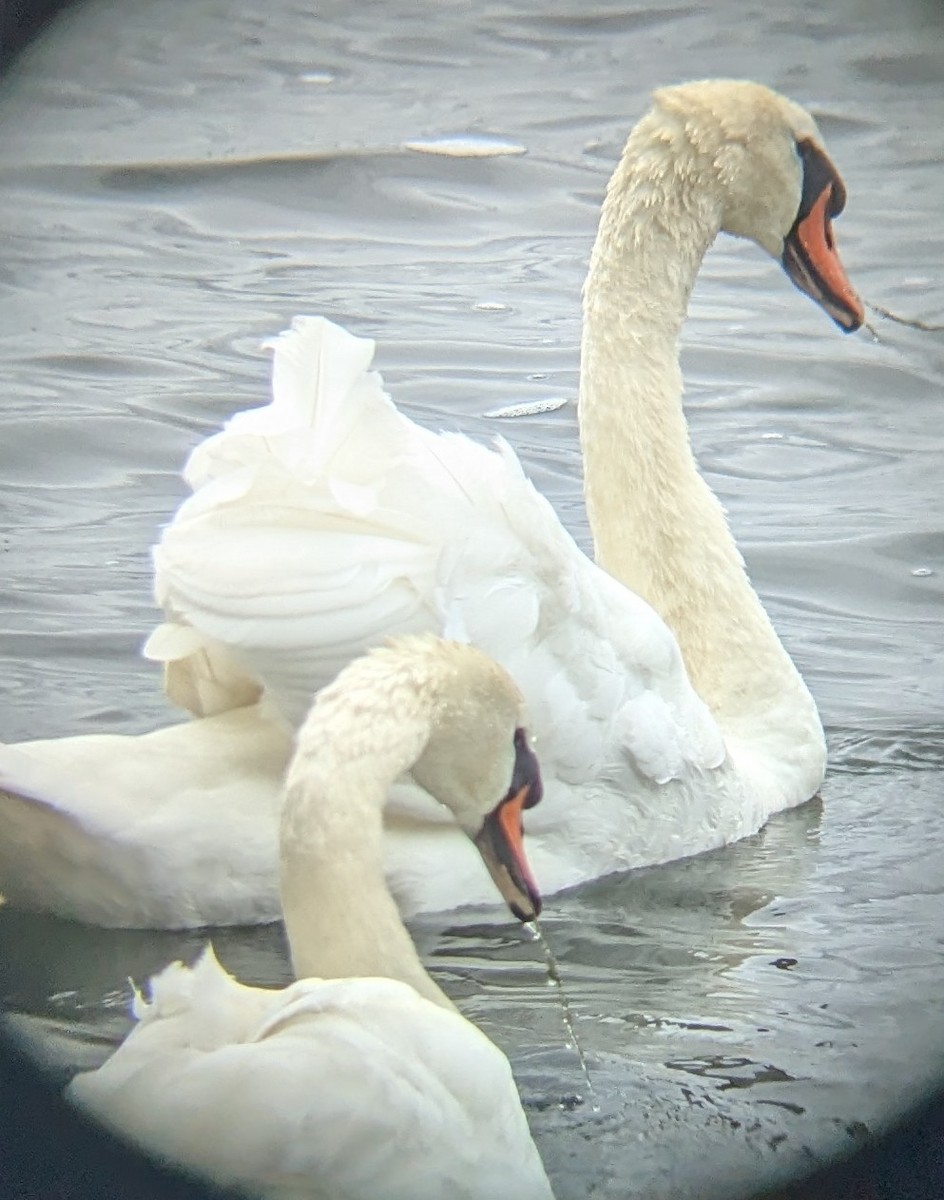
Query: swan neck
point(656, 525)
point(661, 212)
point(340, 918)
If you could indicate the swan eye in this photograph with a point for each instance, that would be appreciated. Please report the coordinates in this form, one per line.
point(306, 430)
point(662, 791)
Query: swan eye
point(819, 174)
point(527, 772)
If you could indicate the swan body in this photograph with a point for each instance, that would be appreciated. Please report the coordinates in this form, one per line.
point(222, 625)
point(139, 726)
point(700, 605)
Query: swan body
point(670, 717)
point(371, 1086)
point(173, 829)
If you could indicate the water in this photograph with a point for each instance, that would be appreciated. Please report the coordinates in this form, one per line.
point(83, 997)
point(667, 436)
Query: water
point(178, 180)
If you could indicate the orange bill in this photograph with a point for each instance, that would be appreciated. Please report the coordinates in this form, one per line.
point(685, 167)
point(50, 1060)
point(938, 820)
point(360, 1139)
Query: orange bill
point(500, 842)
point(810, 257)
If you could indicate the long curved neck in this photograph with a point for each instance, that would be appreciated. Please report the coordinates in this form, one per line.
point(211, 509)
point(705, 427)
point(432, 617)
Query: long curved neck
point(657, 526)
point(339, 915)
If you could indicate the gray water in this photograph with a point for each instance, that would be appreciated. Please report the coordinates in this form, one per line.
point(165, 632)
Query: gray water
point(179, 178)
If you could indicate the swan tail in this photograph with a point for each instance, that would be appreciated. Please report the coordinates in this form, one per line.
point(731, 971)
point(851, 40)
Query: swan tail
point(204, 996)
point(189, 1013)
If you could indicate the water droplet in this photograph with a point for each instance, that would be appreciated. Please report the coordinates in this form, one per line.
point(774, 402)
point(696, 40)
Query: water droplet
point(769, 437)
point(922, 572)
point(491, 306)
point(321, 77)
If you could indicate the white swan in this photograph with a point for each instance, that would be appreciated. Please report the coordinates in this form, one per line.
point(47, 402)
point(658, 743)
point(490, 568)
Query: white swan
point(364, 1083)
point(671, 719)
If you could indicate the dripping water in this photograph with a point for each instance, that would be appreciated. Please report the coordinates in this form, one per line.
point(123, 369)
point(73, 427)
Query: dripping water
point(567, 1015)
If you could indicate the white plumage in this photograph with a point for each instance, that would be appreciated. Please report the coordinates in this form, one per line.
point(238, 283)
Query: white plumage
point(370, 1087)
point(359, 1083)
point(670, 718)
point(304, 545)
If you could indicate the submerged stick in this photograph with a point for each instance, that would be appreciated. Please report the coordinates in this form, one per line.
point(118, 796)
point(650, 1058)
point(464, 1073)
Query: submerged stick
point(911, 322)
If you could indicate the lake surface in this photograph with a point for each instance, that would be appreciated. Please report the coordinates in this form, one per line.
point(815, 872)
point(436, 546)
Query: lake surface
point(179, 179)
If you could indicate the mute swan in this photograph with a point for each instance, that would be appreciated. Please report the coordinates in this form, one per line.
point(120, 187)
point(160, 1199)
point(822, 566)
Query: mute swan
point(670, 716)
point(361, 1081)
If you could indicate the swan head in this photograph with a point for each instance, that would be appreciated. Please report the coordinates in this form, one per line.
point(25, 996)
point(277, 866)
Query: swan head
point(450, 716)
point(477, 760)
point(777, 185)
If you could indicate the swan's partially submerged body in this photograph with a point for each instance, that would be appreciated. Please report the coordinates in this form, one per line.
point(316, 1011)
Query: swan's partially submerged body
point(360, 1081)
point(670, 718)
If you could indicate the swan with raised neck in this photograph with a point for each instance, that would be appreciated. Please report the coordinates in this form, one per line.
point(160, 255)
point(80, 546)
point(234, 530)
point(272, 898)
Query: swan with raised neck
point(712, 156)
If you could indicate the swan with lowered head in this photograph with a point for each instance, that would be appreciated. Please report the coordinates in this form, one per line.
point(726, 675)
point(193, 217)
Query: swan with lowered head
point(361, 1081)
point(671, 718)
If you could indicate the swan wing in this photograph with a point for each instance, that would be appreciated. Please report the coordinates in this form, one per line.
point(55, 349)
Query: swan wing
point(300, 546)
point(357, 1089)
point(327, 521)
